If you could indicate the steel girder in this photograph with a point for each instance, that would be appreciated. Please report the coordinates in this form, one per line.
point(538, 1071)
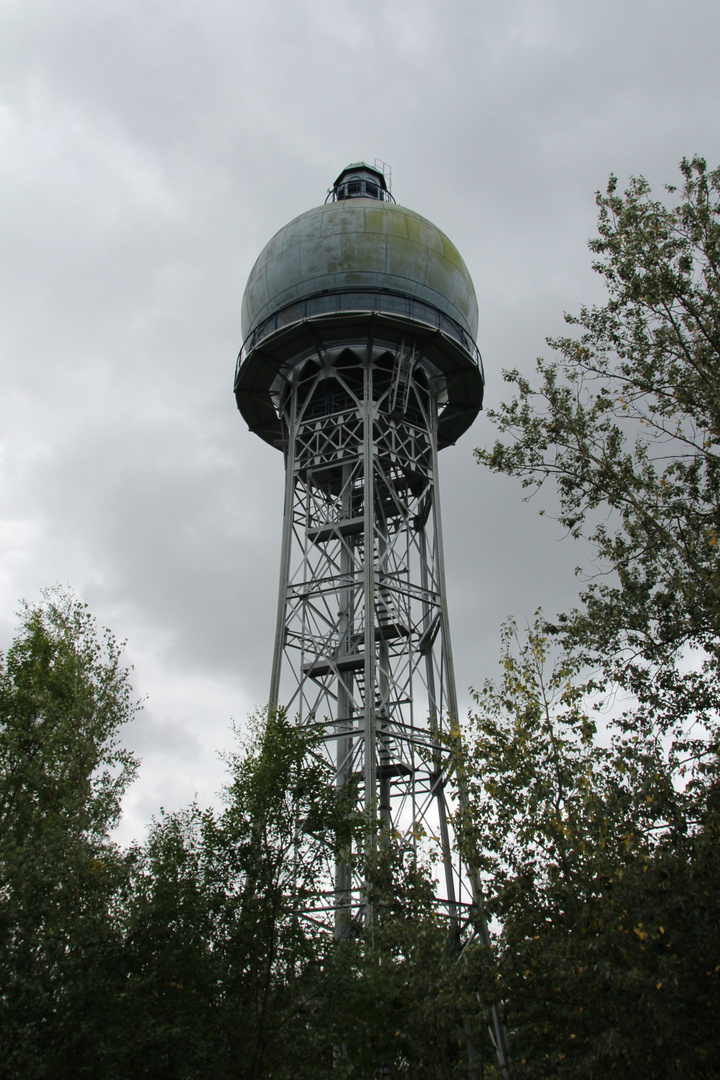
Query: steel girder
point(362, 649)
point(363, 646)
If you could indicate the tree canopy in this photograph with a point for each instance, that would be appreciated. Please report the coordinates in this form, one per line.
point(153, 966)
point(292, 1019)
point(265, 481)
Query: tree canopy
point(64, 697)
point(593, 760)
point(625, 420)
point(602, 868)
point(207, 949)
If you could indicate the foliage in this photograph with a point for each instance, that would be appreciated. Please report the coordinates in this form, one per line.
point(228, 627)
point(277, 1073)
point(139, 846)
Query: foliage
point(234, 970)
point(602, 869)
point(209, 949)
point(397, 994)
point(222, 961)
point(63, 697)
point(599, 845)
point(626, 422)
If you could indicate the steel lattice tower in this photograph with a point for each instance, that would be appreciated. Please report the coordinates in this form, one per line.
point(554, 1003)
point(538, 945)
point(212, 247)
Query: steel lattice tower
point(360, 364)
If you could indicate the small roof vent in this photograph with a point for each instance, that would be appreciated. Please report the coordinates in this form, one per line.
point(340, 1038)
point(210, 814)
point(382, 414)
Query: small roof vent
point(360, 181)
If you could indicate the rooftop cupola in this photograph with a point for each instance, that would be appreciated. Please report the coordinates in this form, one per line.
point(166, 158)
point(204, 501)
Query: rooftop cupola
point(360, 181)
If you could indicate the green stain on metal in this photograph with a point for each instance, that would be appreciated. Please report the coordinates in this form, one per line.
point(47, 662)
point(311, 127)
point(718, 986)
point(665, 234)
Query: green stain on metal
point(363, 252)
point(453, 255)
point(360, 244)
point(388, 222)
point(421, 231)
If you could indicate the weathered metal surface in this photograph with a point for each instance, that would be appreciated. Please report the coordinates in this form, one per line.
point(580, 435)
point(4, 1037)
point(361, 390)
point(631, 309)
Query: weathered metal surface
point(360, 243)
point(264, 369)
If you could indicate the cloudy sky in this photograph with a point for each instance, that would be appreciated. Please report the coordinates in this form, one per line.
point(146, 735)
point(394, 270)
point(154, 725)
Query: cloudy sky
point(148, 150)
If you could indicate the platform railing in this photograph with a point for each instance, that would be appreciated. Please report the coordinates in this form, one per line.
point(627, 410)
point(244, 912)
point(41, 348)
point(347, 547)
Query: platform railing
point(360, 300)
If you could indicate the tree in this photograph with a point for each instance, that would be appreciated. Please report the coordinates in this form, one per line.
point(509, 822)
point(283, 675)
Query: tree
point(209, 949)
point(64, 695)
point(602, 873)
point(233, 968)
point(600, 853)
point(398, 1000)
point(227, 927)
point(626, 419)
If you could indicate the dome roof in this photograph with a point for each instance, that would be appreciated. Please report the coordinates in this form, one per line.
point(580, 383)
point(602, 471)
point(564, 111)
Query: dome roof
point(360, 243)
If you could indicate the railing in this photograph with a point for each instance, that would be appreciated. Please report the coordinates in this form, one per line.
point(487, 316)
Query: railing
point(359, 189)
point(365, 300)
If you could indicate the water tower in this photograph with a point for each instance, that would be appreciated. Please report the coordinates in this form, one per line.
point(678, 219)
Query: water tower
point(359, 363)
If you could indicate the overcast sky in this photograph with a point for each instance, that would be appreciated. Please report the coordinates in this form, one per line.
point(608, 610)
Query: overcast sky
point(148, 151)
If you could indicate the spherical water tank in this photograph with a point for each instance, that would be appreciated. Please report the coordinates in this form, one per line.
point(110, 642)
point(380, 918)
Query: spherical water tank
point(360, 244)
point(359, 268)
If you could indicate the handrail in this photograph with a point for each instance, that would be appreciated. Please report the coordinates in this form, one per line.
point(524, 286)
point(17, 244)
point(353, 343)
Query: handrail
point(359, 188)
point(365, 300)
